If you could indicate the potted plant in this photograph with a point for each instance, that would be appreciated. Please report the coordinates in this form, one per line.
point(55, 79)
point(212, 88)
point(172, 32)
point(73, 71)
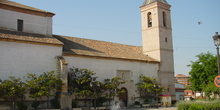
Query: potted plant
point(146, 103)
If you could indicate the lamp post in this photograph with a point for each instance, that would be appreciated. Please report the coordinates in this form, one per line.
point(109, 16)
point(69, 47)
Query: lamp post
point(216, 39)
point(156, 86)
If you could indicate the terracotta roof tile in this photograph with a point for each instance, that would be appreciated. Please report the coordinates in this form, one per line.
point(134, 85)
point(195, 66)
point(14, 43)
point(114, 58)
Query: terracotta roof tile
point(80, 46)
point(28, 37)
point(18, 5)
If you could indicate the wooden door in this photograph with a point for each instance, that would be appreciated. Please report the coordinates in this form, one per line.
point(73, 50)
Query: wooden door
point(124, 96)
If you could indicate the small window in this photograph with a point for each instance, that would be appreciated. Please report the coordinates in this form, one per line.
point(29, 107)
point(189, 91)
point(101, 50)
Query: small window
point(166, 39)
point(149, 16)
point(164, 19)
point(168, 89)
point(20, 25)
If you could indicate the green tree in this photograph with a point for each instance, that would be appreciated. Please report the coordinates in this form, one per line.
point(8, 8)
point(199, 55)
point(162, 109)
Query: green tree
point(13, 89)
point(188, 87)
point(42, 85)
point(147, 89)
point(82, 83)
point(203, 71)
point(111, 87)
point(79, 81)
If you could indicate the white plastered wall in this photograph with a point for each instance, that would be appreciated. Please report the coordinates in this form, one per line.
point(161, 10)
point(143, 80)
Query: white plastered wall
point(31, 23)
point(105, 68)
point(18, 59)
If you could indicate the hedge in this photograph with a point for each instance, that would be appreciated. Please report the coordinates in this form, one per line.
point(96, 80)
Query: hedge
point(198, 105)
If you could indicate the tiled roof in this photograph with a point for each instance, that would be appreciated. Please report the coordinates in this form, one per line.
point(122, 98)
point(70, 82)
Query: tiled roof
point(80, 46)
point(18, 5)
point(181, 75)
point(28, 37)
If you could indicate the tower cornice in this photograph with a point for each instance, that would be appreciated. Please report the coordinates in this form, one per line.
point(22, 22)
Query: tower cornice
point(155, 4)
point(147, 2)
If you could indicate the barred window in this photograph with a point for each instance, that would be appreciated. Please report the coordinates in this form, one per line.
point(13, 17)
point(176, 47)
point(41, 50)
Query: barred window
point(20, 25)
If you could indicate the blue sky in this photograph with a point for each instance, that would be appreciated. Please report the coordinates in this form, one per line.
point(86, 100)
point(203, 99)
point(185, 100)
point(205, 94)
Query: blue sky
point(119, 21)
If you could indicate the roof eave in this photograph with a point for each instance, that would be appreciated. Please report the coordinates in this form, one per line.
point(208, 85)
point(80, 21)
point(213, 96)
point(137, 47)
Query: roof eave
point(30, 42)
point(103, 57)
point(26, 10)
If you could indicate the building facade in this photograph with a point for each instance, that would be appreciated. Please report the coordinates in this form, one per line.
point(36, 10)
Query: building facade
point(182, 79)
point(27, 45)
point(189, 94)
point(180, 88)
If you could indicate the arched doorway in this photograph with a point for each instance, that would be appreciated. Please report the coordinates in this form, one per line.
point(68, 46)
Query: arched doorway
point(124, 96)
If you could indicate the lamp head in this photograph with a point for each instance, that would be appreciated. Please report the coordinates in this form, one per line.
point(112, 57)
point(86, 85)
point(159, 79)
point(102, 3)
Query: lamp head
point(216, 39)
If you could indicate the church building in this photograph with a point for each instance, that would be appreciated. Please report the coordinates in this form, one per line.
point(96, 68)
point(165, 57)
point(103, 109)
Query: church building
point(27, 45)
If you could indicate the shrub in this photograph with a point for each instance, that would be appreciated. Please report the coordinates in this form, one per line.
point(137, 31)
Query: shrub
point(214, 105)
point(35, 104)
point(146, 101)
point(195, 106)
point(55, 103)
point(198, 105)
point(183, 105)
point(21, 106)
point(173, 102)
point(74, 103)
point(137, 103)
point(100, 101)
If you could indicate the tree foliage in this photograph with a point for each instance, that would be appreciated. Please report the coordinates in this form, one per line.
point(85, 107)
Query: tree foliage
point(84, 84)
point(147, 89)
point(12, 89)
point(42, 85)
point(111, 87)
point(79, 81)
point(203, 71)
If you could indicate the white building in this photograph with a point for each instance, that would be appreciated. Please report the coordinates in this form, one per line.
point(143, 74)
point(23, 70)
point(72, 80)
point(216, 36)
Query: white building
point(179, 91)
point(27, 45)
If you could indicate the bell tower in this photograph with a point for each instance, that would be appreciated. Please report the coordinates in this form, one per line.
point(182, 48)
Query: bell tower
point(157, 40)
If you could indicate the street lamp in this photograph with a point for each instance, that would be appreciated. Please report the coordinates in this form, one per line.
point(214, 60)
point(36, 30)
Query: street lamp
point(216, 39)
point(156, 86)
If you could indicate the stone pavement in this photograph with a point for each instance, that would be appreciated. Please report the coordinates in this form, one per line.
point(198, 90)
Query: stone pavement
point(160, 108)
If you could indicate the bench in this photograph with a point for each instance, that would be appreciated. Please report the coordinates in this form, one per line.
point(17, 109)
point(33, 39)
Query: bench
point(146, 105)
